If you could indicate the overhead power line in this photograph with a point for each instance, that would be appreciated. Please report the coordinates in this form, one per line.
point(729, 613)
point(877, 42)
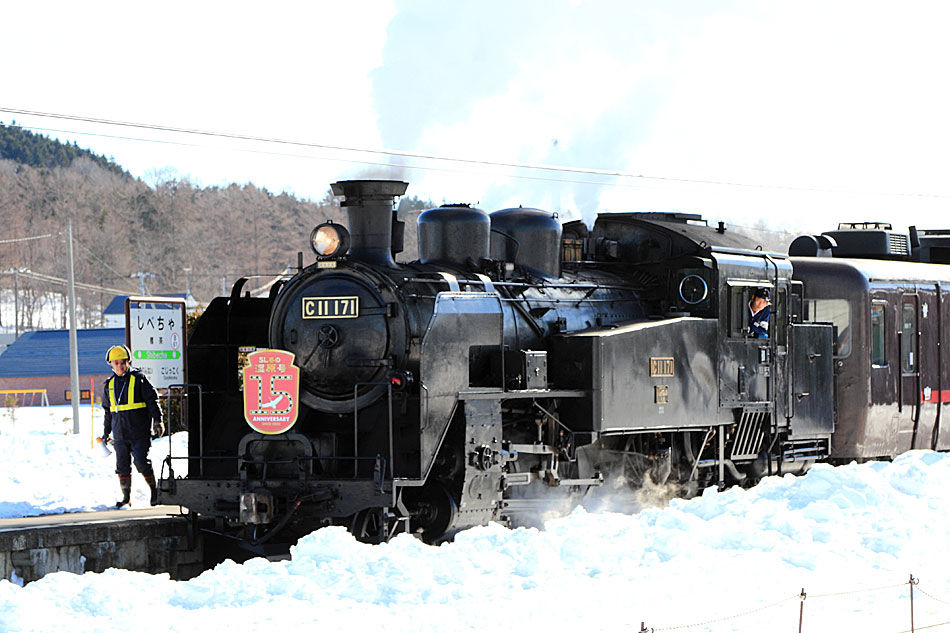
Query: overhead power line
point(451, 159)
point(27, 239)
point(352, 161)
point(102, 262)
point(29, 274)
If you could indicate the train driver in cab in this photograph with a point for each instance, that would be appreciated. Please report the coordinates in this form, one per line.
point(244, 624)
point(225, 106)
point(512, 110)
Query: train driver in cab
point(760, 309)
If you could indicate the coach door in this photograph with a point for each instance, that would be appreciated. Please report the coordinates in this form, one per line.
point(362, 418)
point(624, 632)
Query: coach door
point(883, 421)
point(924, 375)
point(909, 386)
point(942, 326)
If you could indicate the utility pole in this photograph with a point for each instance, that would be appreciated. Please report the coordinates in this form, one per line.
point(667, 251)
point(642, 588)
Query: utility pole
point(143, 289)
point(73, 339)
point(16, 305)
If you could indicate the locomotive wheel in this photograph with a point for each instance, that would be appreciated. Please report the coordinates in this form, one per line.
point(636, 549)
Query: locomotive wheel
point(367, 525)
point(450, 463)
point(432, 510)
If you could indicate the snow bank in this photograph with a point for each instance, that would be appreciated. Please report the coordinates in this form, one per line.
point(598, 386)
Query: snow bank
point(834, 530)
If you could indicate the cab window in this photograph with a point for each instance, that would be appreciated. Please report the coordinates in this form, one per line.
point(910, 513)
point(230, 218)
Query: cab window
point(739, 313)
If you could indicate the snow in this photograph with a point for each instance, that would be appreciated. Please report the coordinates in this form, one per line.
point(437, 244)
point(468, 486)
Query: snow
point(48, 470)
point(736, 560)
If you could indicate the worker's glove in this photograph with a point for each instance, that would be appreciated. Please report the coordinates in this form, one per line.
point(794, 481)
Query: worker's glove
point(106, 439)
point(158, 429)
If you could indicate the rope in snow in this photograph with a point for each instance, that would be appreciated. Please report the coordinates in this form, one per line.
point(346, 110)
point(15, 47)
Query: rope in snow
point(802, 596)
point(921, 628)
point(855, 591)
point(728, 617)
point(931, 597)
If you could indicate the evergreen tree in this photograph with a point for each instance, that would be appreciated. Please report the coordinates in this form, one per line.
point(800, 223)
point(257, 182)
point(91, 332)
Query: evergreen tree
point(36, 150)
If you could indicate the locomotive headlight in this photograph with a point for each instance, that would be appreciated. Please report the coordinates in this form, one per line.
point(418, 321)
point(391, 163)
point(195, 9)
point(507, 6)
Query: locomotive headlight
point(329, 240)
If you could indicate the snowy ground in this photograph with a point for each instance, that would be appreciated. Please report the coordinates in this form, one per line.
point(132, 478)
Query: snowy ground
point(46, 469)
point(857, 532)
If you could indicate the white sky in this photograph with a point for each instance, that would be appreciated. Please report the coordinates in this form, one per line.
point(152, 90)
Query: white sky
point(847, 96)
point(851, 536)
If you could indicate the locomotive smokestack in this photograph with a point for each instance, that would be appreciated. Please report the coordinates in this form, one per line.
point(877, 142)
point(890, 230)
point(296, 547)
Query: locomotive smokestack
point(369, 207)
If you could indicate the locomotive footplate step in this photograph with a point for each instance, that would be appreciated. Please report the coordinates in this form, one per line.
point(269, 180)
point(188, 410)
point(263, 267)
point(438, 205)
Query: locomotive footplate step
point(523, 479)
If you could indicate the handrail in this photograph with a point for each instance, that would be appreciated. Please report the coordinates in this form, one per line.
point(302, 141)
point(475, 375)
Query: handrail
point(201, 435)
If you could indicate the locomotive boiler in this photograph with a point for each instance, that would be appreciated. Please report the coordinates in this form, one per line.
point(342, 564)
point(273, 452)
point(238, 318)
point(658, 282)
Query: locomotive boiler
point(518, 363)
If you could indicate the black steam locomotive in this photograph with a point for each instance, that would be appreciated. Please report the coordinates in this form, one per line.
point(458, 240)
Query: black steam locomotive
point(519, 362)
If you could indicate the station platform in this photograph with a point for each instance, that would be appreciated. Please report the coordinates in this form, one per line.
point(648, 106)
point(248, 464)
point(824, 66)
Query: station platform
point(153, 540)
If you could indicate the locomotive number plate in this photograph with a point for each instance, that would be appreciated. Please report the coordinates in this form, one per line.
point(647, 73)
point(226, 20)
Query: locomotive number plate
point(661, 367)
point(330, 307)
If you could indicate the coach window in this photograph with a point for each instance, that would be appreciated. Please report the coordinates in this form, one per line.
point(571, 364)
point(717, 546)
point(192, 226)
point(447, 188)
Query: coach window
point(877, 335)
point(836, 312)
point(908, 337)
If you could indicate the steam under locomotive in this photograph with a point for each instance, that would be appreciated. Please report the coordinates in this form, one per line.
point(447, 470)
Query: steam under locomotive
point(520, 361)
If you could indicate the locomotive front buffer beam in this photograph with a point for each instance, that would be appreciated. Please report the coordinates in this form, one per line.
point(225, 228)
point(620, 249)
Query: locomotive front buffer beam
point(253, 504)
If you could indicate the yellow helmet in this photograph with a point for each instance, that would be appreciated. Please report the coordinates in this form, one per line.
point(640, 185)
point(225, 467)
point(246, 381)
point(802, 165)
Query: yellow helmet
point(118, 352)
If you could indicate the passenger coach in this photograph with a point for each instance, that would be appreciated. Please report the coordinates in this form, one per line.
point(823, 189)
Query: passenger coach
point(891, 319)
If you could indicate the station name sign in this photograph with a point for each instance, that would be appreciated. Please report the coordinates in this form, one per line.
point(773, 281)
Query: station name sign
point(155, 332)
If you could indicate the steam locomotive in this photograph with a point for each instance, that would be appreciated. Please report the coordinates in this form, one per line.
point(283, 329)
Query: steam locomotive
point(519, 362)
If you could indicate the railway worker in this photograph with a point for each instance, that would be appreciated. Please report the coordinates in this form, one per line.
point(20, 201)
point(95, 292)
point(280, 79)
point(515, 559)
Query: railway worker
point(760, 309)
point(132, 417)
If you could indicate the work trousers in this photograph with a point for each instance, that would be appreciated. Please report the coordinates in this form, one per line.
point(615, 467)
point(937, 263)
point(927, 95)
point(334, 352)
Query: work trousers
point(128, 450)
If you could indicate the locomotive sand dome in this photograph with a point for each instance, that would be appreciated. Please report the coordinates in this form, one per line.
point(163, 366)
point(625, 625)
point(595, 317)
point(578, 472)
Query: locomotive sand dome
point(453, 233)
point(530, 237)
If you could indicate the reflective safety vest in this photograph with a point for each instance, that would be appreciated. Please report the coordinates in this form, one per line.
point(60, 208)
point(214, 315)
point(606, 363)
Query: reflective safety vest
point(131, 403)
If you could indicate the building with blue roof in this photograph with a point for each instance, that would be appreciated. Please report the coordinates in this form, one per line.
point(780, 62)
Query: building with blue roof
point(114, 313)
point(40, 360)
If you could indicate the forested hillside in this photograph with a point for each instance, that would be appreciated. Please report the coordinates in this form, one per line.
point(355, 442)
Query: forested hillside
point(123, 226)
point(36, 150)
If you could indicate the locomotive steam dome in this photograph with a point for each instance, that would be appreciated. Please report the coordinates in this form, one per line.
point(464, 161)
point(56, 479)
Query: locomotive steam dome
point(453, 233)
point(529, 237)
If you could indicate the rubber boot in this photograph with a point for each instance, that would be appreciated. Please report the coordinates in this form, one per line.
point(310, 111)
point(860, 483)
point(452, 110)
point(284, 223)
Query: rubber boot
point(150, 480)
point(125, 485)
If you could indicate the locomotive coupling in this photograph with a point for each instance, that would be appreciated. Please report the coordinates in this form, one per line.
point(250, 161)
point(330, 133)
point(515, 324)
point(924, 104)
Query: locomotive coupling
point(256, 507)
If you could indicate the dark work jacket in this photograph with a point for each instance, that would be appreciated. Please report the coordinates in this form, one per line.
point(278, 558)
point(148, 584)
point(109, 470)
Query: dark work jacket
point(129, 411)
point(759, 322)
